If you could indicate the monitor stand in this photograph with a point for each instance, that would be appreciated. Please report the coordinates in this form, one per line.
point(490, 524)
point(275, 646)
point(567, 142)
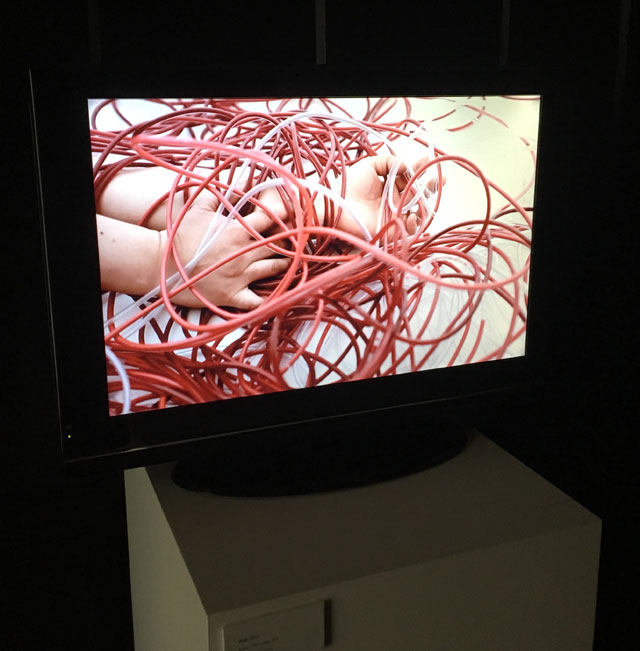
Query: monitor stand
point(325, 455)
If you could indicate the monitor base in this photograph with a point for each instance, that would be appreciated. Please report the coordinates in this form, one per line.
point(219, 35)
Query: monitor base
point(320, 456)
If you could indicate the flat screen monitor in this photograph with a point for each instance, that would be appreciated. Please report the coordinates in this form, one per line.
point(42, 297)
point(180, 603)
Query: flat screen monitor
point(256, 272)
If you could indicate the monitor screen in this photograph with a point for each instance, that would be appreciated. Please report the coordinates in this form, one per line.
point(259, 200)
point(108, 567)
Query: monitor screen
point(237, 252)
point(258, 245)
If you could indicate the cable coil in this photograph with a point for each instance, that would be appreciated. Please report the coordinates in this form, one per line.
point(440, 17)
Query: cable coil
point(348, 307)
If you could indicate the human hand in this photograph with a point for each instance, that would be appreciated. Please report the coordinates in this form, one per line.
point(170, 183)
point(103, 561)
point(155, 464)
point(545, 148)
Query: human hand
point(229, 284)
point(365, 181)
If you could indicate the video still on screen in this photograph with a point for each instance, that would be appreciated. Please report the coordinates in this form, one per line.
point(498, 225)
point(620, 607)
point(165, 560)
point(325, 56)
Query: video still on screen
point(255, 245)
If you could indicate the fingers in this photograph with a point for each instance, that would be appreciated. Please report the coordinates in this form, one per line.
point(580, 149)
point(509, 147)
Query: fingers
point(259, 220)
point(246, 299)
point(401, 180)
point(266, 268)
point(382, 164)
point(412, 223)
point(432, 184)
point(274, 204)
point(275, 200)
point(259, 253)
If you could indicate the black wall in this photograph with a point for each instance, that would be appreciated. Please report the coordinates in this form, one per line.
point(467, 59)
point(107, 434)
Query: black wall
point(66, 539)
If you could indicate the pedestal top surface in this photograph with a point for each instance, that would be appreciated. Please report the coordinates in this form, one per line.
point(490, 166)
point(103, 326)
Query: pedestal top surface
point(241, 551)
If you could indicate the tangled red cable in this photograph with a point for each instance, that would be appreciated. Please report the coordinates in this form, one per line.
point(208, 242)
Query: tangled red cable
point(347, 307)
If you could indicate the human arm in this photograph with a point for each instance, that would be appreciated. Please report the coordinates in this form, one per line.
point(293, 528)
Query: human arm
point(362, 194)
point(132, 191)
point(131, 256)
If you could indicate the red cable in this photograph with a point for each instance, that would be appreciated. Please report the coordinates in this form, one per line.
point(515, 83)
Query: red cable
point(369, 297)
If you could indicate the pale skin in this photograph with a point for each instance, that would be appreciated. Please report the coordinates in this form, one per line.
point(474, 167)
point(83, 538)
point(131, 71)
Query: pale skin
point(131, 255)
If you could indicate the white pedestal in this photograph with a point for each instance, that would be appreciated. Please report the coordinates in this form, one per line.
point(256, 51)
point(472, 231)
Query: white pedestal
point(478, 553)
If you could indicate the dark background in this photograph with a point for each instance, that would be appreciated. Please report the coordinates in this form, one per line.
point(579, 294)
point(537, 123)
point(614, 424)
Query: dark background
point(65, 538)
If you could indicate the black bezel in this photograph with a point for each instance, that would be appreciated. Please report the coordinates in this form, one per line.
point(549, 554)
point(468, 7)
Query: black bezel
point(64, 161)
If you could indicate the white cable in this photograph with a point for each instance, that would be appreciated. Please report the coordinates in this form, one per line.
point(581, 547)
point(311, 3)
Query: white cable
point(221, 222)
point(124, 378)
